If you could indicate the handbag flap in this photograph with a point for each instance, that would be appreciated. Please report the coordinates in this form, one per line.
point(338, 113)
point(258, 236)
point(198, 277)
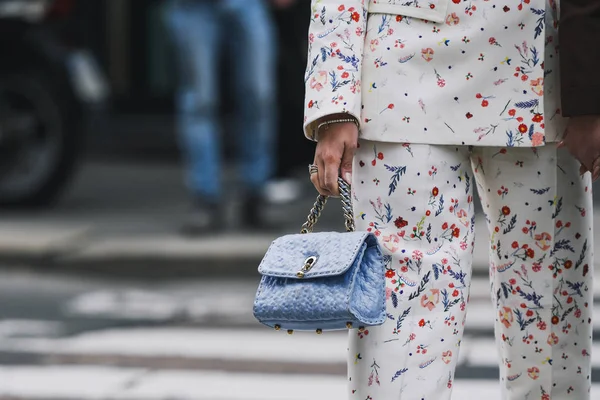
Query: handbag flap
point(334, 252)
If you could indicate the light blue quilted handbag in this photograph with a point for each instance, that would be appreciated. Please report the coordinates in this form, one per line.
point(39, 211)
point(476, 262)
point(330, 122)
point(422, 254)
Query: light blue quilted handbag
point(322, 281)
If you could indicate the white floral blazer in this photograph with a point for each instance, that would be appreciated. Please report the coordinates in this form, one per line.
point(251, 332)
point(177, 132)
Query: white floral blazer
point(472, 72)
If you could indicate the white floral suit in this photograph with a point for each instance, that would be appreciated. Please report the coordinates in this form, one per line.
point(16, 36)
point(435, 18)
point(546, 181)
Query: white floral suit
point(452, 95)
point(487, 75)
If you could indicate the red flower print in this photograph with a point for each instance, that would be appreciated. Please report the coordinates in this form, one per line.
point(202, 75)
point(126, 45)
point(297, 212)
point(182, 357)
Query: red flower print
point(361, 163)
point(355, 16)
point(422, 323)
point(524, 78)
point(399, 18)
point(512, 112)
point(445, 226)
point(506, 9)
point(428, 213)
point(456, 1)
point(455, 293)
point(478, 95)
point(469, 115)
point(541, 326)
point(513, 281)
point(345, 75)
point(427, 54)
point(435, 191)
point(485, 103)
point(456, 232)
point(530, 253)
point(341, 8)
point(568, 264)
point(389, 273)
point(380, 156)
point(493, 40)
point(515, 245)
point(533, 372)
point(537, 118)
point(400, 222)
point(555, 320)
point(523, 128)
point(311, 104)
point(452, 19)
point(505, 210)
point(529, 313)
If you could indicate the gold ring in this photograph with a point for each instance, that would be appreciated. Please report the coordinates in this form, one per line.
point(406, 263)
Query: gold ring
point(312, 169)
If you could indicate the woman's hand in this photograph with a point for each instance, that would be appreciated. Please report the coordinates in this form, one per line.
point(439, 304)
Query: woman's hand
point(582, 139)
point(333, 157)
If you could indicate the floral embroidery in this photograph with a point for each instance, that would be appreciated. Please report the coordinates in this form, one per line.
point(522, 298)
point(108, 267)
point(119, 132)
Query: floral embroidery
point(538, 272)
point(513, 72)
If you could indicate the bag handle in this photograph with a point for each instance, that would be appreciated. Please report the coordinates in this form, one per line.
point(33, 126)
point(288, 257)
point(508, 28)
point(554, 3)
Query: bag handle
point(315, 212)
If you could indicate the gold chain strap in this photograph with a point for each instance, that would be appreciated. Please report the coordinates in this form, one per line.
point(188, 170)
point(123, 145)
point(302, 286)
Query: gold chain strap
point(315, 212)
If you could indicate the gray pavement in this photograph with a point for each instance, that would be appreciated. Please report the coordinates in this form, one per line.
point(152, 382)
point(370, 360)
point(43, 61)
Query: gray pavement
point(124, 218)
point(75, 337)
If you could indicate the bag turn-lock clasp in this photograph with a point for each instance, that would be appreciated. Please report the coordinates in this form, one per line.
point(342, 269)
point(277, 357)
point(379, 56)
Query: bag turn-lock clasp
point(308, 264)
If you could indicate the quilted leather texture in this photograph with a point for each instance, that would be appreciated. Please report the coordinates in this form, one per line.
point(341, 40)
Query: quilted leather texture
point(346, 284)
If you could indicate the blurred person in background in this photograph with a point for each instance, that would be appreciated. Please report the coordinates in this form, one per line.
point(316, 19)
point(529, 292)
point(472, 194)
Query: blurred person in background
point(201, 30)
point(416, 104)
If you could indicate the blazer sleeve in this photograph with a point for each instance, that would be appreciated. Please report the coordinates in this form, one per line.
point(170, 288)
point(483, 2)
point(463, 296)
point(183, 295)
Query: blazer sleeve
point(579, 35)
point(335, 50)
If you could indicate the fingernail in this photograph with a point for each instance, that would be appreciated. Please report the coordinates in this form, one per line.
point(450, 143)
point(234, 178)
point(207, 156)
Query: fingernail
point(348, 177)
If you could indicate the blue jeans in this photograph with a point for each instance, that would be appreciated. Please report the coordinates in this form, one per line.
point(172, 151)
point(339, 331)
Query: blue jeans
point(200, 29)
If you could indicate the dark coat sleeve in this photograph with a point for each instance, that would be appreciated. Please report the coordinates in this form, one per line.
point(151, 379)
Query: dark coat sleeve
point(579, 39)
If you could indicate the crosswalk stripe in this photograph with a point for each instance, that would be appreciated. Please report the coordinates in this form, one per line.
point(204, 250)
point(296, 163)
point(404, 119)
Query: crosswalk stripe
point(86, 383)
point(265, 345)
point(227, 344)
point(236, 308)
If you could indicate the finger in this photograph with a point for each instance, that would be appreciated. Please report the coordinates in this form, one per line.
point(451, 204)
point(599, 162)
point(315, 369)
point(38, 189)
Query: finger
point(346, 163)
point(314, 178)
point(320, 175)
point(323, 189)
point(332, 172)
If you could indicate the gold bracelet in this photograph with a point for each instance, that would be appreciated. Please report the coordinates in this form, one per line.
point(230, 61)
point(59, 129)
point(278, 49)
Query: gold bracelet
point(334, 121)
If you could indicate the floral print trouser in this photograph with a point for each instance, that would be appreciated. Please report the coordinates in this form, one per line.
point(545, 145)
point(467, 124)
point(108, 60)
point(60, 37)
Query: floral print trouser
point(418, 200)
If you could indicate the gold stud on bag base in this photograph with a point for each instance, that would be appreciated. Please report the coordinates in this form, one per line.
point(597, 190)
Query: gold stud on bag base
point(312, 218)
point(320, 331)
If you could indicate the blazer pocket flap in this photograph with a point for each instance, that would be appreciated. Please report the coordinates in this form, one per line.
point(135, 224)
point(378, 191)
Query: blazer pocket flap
point(435, 11)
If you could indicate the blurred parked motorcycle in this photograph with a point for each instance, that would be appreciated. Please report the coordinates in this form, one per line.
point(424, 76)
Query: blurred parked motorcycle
point(48, 86)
